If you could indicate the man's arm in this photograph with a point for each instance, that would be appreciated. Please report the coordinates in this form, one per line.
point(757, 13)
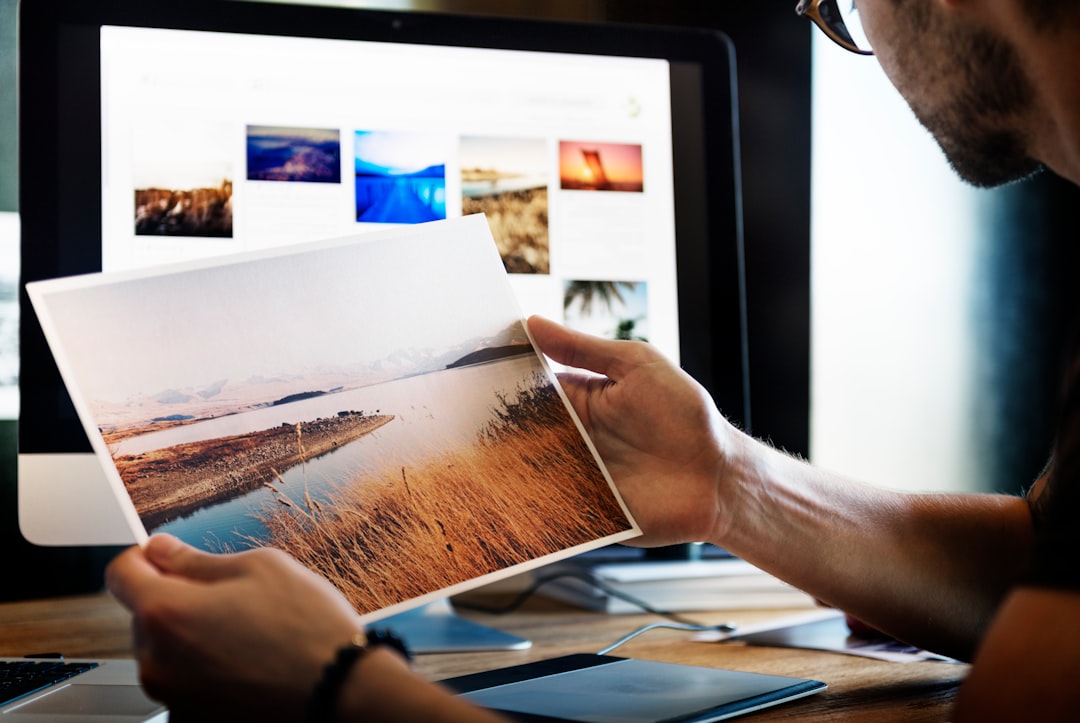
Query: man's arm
point(929, 569)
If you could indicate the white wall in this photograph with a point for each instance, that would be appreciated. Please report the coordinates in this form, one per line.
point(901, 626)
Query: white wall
point(892, 257)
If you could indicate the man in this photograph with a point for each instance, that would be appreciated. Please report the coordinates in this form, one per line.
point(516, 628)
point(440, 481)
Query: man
point(986, 577)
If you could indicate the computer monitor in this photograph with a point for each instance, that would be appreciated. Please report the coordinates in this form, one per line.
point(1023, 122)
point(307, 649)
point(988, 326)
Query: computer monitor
point(605, 157)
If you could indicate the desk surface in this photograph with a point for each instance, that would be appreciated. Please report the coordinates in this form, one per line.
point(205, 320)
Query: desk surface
point(862, 689)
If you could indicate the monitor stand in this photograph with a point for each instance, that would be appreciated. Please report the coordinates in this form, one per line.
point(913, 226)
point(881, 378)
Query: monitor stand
point(659, 580)
point(437, 628)
point(685, 552)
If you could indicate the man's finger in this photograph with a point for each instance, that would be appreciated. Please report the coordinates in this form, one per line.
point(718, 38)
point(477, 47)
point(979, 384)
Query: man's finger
point(129, 574)
point(578, 350)
point(174, 557)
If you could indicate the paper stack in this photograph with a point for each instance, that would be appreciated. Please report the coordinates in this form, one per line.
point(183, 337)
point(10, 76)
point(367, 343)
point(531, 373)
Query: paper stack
point(724, 584)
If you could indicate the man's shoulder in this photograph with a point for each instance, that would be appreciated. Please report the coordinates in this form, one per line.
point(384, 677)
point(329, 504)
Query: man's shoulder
point(1028, 663)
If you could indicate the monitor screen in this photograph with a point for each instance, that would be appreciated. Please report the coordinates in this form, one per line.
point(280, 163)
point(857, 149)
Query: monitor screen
point(604, 158)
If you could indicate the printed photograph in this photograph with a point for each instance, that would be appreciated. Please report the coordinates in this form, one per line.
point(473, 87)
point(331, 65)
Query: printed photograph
point(585, 166)
point(309, 155)
point(610, 309)
point(183, 179)
point(373, 408)
point(507, 180)
point(400, 176)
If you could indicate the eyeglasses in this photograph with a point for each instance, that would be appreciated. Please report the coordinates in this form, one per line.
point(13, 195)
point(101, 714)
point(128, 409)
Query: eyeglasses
point(841, 25)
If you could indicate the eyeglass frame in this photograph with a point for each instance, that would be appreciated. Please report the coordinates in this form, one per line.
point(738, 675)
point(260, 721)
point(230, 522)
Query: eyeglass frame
point(812, 9)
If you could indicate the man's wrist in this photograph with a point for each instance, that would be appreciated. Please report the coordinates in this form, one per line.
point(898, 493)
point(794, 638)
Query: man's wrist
point(323, 704)
point(734, 466)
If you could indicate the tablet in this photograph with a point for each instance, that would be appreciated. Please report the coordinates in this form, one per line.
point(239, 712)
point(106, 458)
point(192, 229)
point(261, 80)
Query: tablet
point(605, 689)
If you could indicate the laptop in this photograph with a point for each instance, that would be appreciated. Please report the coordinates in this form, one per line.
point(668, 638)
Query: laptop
point(75, 690)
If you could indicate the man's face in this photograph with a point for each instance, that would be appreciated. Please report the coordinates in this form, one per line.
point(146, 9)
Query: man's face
point(964, 84)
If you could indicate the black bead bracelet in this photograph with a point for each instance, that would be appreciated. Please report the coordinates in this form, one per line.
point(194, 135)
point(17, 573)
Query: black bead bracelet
point(326, 692)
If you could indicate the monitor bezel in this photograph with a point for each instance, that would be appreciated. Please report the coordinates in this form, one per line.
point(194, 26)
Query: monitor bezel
point(60, 172)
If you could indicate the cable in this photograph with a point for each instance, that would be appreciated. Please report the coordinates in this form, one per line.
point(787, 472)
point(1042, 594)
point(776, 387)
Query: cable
point(723, 627)
point(599, 585)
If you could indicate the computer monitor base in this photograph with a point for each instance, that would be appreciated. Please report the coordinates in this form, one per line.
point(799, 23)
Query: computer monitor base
point(437, 628)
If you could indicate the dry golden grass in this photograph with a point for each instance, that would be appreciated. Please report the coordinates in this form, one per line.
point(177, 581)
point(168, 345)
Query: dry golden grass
point(519, 225)
point(528, 487)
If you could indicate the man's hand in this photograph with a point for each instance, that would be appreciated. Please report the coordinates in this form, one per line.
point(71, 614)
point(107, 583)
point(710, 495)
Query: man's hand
point(246, 636)
point(657, 430)
point(248, 633)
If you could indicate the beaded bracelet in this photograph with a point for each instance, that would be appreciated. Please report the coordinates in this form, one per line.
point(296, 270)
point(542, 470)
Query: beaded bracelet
point(325, 694)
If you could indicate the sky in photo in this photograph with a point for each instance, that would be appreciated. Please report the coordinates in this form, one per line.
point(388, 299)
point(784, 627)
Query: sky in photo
point(421, 287)
point(397, 152)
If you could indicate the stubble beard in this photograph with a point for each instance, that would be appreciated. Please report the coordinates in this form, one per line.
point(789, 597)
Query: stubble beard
point(977, 127)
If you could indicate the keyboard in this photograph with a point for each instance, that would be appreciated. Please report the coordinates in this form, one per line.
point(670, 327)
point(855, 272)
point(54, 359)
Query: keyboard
point(20, 678)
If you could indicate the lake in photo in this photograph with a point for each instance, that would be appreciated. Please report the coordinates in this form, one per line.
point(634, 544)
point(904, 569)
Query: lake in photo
point(432, 413)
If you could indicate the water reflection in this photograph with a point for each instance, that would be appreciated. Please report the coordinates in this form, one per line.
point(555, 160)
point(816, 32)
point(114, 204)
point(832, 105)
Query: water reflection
point(432, 413)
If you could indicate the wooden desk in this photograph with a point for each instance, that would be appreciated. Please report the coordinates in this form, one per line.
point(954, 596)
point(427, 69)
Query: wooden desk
point(859, 689)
